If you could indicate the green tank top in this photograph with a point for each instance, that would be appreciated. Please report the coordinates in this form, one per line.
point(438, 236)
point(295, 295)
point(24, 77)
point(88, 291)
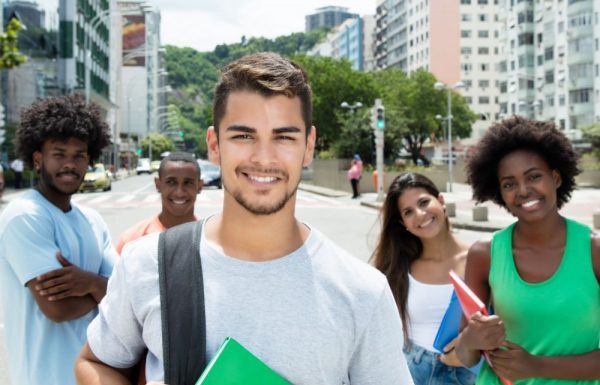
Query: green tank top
point(559, 316)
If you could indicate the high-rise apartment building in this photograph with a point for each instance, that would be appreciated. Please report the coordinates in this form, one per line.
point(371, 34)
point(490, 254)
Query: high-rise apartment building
point(550, 68)
point(454, 40)
point(84, 22)
point(352, 40)
point(329, 16)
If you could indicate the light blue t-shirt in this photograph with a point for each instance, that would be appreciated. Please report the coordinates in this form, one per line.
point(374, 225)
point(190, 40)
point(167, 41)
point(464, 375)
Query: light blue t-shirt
point(32, 230)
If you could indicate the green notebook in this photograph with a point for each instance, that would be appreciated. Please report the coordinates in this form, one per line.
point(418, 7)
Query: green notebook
point(235, 365)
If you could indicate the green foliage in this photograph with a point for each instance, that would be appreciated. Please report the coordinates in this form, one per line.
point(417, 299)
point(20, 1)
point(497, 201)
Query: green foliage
point(356, 135)
point(8, 147)
point(10, 57)
point(592, 133)
point(333, 82)
point(160, 144)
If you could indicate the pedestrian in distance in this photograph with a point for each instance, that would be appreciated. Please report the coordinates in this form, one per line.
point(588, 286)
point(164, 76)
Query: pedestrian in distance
point(55, 257)
point(178, 184)
point(542, 272)
point(298, 302)
point(416, 250)
point(17, 166)
point(354, 175)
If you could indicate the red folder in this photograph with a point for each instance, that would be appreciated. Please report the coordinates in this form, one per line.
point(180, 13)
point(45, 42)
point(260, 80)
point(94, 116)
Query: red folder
point(470, 305)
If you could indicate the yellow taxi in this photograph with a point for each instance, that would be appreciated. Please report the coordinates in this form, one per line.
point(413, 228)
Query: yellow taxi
point(96, 177)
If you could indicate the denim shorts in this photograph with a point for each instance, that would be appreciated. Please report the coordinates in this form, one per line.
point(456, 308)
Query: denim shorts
point(427, 369)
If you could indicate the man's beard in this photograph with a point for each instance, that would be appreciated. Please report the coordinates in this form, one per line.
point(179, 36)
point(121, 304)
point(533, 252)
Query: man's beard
point(263, 209)
point(48, 181)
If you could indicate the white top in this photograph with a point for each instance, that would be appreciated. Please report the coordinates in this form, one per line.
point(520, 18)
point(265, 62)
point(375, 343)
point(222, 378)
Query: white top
point(426, 307)
point(315, 316)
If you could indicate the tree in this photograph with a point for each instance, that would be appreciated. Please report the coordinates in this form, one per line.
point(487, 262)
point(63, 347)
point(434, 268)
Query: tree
point(333, 82)
point(356, 135)
point(412, 103)
point(160, 144)
point(592, 133)
point(10, 57)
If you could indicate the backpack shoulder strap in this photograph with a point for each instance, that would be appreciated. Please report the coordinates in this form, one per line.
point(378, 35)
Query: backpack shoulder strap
point(182, 303)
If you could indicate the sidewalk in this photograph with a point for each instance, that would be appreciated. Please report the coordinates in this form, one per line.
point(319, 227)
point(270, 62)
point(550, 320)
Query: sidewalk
point(581, 207)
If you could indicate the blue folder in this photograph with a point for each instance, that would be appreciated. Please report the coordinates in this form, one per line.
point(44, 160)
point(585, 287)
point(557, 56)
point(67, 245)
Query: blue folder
point(449, 328)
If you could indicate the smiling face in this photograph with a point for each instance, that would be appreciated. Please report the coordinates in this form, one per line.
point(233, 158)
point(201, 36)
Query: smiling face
point(528, 185)
point(422, 213)
point(261, 148)
point(178, 184)
point(62, 165)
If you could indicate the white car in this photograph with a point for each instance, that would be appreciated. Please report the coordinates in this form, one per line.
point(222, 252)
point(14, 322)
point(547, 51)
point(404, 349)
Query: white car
point(143, 166)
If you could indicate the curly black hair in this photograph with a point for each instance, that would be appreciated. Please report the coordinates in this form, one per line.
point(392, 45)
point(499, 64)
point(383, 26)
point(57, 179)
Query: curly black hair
point(61, 117)
point(520, 133)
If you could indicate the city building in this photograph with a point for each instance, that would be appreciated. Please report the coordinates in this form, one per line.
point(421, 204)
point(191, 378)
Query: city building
point(550, 68)
point(142, 93)
point(84, 54)
point(329, 16)
point(28, 12)
point(455, 41)
point(352, 40)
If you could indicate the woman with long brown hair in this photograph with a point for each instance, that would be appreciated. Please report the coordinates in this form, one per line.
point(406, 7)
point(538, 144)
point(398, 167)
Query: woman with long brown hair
point(416, 250)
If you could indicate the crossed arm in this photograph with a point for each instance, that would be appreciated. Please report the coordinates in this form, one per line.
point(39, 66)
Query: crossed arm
point(67, 293)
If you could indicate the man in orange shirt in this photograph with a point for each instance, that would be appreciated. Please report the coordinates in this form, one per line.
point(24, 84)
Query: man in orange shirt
point(178, 183)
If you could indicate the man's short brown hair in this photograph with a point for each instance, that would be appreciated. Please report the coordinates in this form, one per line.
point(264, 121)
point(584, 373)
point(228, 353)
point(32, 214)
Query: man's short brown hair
point(268, 74)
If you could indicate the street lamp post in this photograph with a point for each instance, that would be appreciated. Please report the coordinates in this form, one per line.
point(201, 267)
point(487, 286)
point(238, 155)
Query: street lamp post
point(352, 108)
point(441, 86)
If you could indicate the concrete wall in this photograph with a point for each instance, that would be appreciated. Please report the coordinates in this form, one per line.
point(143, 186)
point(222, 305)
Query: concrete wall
point(588, 179)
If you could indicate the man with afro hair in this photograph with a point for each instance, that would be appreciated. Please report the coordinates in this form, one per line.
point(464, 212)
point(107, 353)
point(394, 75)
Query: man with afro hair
point(55, 257)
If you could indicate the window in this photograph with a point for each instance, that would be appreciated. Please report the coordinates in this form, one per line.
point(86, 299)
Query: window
point(503, 87)
point(580, 96)
point(526, 84)
point(483, 50)
point(581, 70)
point(484, 100)
point(467, 83)
point(466, 50)
point(549, 77)
point(549, 53)
point(484, 83)
point(483, 34)
point(526, 38)
point(465, 33)
point(484, 67)
point(468, 100)
point(561, 100)
point(540, 60)
point(483, 17)
point(465, 17)
point(466, 2)
point(466, 67)
point(482, 1)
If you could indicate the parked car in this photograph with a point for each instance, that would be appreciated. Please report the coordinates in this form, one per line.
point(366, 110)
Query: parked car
point(96, 178)
point(154, 165)
point(143, 166)
point(210, 174)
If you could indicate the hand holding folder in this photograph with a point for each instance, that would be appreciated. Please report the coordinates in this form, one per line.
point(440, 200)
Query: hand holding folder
point(470, 305)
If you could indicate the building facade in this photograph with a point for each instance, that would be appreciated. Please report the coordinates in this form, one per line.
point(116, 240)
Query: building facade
point(550, 69)
point(328, 17)
point(84, 31)
point(454, 40)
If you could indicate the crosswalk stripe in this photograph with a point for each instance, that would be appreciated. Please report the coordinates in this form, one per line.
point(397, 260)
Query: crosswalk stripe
point(126, 198)
point(151, 198)
point(100, 199)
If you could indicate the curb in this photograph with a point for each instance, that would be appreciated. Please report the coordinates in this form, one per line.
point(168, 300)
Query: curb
point(324, 191)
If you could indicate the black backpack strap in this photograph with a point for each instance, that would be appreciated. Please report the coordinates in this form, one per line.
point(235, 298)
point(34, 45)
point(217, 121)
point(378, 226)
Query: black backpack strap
point(182, 303)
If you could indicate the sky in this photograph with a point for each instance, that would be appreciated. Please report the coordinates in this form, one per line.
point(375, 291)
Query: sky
point(203, 24)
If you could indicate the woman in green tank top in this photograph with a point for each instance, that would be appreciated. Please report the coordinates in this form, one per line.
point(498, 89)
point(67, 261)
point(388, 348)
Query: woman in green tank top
point(542, 273)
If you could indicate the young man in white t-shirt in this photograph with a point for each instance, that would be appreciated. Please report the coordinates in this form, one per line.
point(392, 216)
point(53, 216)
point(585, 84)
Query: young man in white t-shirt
point(313, 313)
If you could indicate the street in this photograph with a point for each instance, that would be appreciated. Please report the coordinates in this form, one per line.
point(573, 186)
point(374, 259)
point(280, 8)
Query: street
point(350, 225)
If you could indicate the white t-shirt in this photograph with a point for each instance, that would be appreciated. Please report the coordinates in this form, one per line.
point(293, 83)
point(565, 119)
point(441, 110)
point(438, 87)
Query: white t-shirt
point(315, 316)
point(426, 305)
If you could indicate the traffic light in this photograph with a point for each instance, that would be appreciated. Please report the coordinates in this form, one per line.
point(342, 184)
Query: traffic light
point(138, 151)
point(181, 134)
point(380, 117)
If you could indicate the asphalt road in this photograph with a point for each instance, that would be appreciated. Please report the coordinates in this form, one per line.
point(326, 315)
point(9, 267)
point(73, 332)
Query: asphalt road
point(350, 225)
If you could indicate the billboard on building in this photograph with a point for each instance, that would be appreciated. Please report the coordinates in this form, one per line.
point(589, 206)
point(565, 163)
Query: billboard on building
point(134, 40)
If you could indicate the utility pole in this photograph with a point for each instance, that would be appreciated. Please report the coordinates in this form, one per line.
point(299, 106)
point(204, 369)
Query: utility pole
point(379, 126)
